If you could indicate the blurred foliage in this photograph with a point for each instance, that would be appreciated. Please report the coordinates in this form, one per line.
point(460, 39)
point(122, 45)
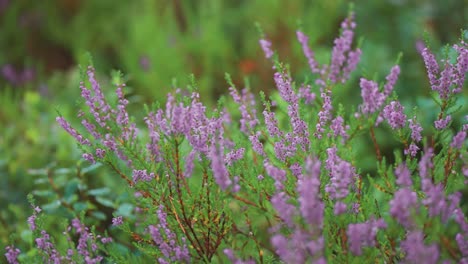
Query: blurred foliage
point(158, 41)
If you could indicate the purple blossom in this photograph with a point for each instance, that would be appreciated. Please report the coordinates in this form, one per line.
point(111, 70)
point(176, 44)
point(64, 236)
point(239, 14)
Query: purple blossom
point(266, 47)
point(363, 234)
point(12, 254)
point(166, 240)
point(458, 140)
point(412, 150)
point(100, 153)
point(432, 67)
point(299, 247)
point(404, 202)
point(272, 124)
point(91, 128)
point(324, 114)
point(354, 57)
point(450, 80)
point(339, 208)
point(394, 115)
point(121, 113)
point(233, 156)
point(338, 128)
point(416, 129)
point(89, 157)
point(246, 104)
point(462, 244)
point(189, 163)
point(284, 85)
point(372, 99)
point(442, 123)
point(417, 252)
point(116, 221)
point(218, 167)
point(308, 53)
point(391, 80)
point(65, 125)
point(308, 188)
point(342, 46)
point(403, 176)
point(257, 146)
point(435, 200)
point(305, 92)
point(342, 176)
point(296, 170)
point(142, 175)
point(277, 174)
point(425, 163)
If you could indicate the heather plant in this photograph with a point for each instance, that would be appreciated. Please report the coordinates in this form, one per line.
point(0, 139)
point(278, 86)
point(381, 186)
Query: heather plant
point(274, 179)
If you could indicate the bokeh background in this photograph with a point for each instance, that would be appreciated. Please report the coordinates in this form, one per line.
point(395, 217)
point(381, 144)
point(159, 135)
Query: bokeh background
point(157, 44)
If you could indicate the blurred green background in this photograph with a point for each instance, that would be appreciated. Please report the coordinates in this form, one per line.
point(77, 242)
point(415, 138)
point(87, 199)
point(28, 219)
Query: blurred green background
point(154, 42)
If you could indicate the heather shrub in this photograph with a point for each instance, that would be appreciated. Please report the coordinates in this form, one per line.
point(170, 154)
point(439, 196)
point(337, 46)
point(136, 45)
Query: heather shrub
point(270, 179)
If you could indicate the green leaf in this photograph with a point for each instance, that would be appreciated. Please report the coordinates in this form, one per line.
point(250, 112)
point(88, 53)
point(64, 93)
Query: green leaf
point(91, 168)
point(125, 209)
point(80, 206)
point(105, 202)
point(99, 191)
point(50, 207)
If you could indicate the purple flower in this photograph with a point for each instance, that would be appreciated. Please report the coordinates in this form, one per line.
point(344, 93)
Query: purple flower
point(142, 175)
point(363, 234)
point(116, 221)
point(284, 85)
point(266, 47)
point(234, 155)
point(416, 129)
point(100, 153)
point(285, 210)
point(394, 115)
point(432, 67)
point(278, 175)
point(299, 247)
point(246, 104)
point(166, 240)
point(12, 254)
point(401, 206)
point(89, 157)
point(442, 123)
point(342, 176)
point(308, 188)
point(338, 128)
point(272, 124)
point(391, 80)
point(308, 53)
point(403, 176)
point(220, 173)
point(371, 97)
point(324, 114)
point(425, 163)
point(257, 146)
point(417, 252)
point(458, 140)
point(412, 150)
point(342, 46)
point(305, 92)
point(65, 125)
